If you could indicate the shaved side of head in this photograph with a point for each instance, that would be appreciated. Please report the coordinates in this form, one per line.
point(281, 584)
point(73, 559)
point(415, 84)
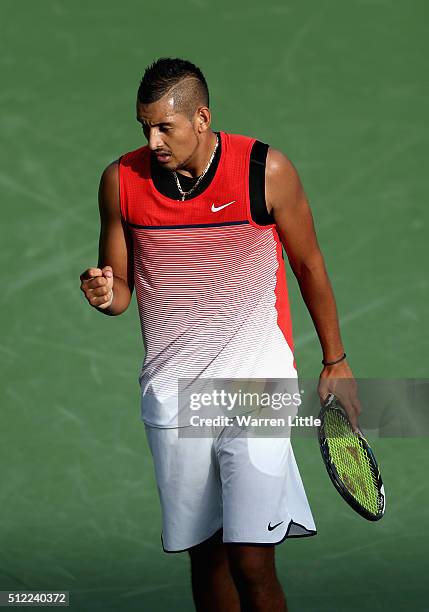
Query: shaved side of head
point(178, 79)
point(188, 95)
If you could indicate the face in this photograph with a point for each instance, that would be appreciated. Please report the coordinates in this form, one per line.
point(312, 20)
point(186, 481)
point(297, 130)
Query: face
point(171, 135)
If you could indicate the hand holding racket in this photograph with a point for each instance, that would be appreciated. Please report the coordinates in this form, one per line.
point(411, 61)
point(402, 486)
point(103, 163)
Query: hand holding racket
point(350, 462)
point(339, 380)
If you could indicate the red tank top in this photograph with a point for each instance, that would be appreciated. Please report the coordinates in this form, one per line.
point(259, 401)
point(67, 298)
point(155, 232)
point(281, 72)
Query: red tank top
point(210, 282)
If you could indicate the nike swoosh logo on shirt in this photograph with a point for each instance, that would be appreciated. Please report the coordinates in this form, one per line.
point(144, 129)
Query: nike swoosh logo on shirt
point(271, 527)
point(217, 208)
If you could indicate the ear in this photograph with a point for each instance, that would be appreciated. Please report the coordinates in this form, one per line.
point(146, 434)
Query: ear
point(203, 119)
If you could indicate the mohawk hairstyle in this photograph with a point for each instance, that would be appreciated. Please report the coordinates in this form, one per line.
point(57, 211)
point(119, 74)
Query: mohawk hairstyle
point(186, 82)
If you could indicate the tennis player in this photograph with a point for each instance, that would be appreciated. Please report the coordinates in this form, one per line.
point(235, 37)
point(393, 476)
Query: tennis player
point(195, 220)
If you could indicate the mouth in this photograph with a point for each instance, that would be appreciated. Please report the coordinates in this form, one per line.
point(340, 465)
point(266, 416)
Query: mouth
point(163, 158)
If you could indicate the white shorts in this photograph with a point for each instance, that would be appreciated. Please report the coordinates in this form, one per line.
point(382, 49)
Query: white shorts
point(249, 486)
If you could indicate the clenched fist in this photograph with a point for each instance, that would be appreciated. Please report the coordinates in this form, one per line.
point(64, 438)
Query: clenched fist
point(97, 285)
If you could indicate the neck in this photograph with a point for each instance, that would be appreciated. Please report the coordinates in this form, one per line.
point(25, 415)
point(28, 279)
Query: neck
point(197, 163)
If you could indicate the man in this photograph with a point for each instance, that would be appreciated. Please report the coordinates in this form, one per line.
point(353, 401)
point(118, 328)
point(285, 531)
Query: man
point(196, 220)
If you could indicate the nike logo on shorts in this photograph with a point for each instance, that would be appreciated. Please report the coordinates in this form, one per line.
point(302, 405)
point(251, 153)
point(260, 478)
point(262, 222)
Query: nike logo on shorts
point(217, 208)
point(271, 527)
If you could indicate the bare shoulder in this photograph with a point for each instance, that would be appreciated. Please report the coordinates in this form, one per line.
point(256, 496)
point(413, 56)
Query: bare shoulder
point(110, 174)
point(109, 189)
point(282, 183)
point(280, 168)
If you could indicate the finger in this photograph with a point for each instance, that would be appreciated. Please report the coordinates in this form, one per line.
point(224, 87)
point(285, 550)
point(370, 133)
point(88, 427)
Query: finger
point(98, 281)
point(323, 390)
point(94, 283)
point(95, 288)
point(90, 273)
point(324, 396)
point(101, 300)
point(101, 291)
point(108, 301)
point(107, 271)
point(89, 279)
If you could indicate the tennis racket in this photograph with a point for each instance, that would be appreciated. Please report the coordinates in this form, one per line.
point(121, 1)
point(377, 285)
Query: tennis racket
point(350, 462)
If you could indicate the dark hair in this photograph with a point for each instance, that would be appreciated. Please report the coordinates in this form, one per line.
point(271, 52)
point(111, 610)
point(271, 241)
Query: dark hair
point(166, 72)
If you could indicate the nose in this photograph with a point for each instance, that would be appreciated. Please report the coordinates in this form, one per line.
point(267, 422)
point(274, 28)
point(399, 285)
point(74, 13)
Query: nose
point(154, 139)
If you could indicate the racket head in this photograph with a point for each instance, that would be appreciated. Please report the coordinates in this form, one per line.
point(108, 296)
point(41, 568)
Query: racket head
point(350, 462)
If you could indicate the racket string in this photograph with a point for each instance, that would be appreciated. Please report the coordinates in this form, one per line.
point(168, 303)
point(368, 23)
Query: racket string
point(352, 462)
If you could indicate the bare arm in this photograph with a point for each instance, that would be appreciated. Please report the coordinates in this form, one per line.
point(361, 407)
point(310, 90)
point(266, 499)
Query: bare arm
point(294, 221)
point(289, 206)
point(115, 259)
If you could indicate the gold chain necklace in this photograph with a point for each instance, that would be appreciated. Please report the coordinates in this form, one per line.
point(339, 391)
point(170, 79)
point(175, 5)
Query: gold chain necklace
point(200, 178)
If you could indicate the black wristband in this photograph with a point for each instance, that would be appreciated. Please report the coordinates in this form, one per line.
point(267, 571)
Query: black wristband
point(329, 363)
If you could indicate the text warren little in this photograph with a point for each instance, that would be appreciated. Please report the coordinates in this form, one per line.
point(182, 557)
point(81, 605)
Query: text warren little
point(249, 421)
